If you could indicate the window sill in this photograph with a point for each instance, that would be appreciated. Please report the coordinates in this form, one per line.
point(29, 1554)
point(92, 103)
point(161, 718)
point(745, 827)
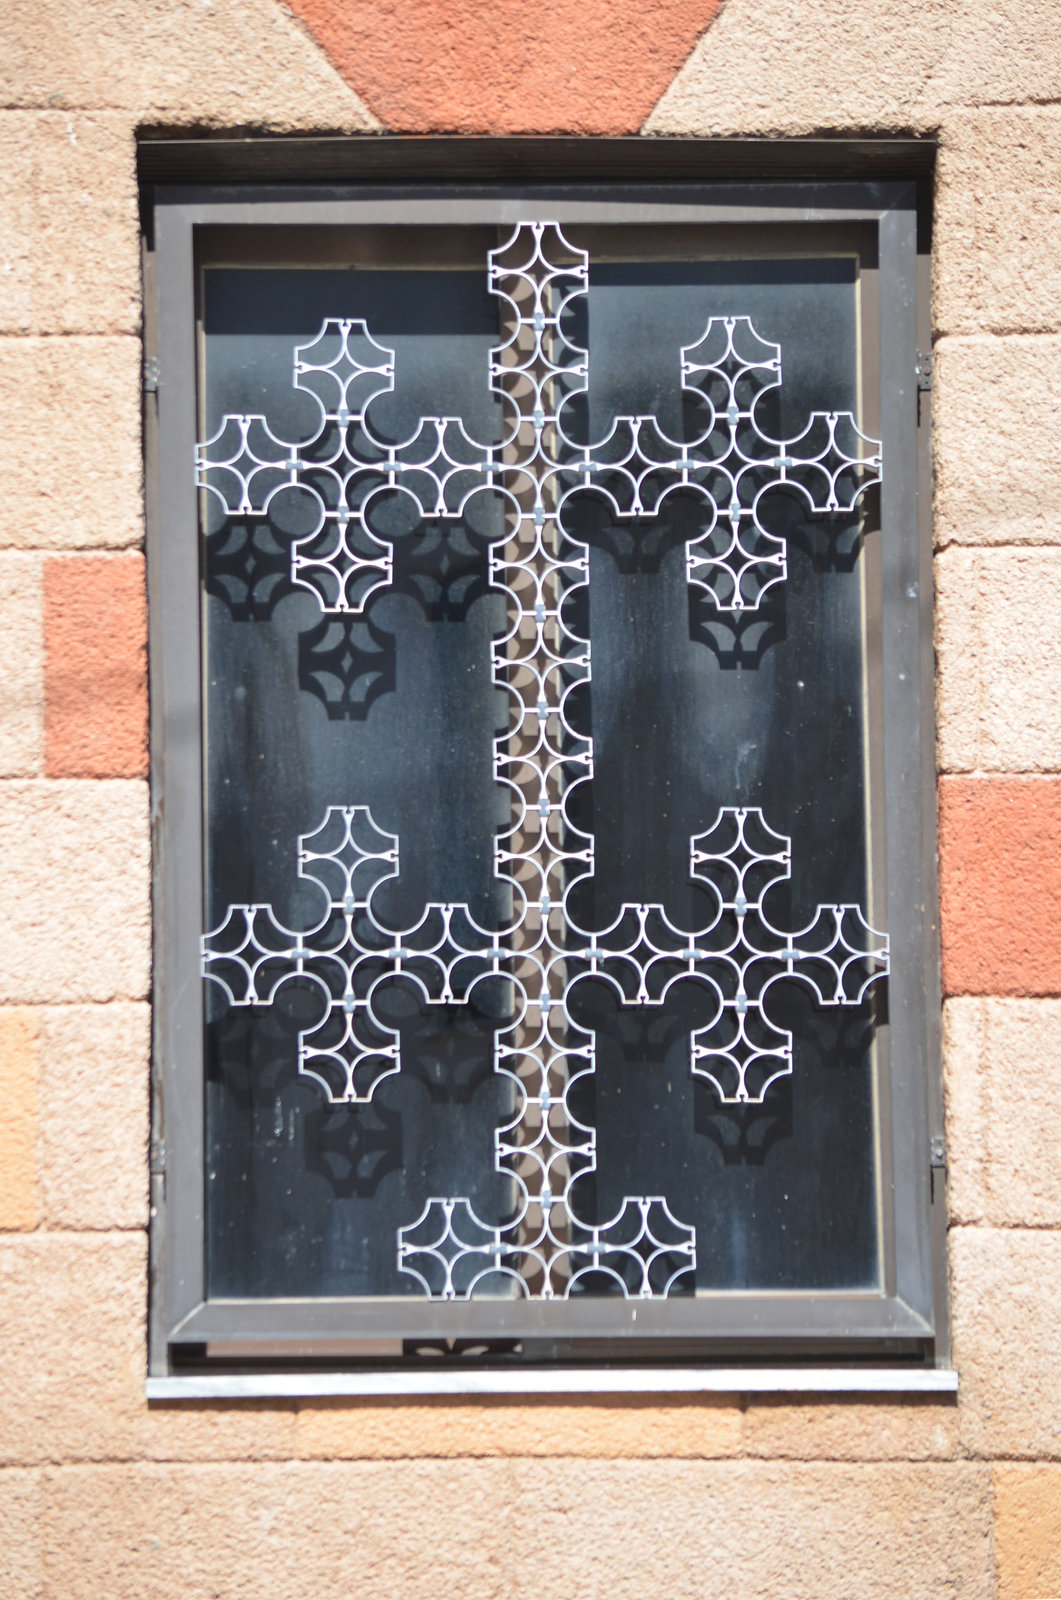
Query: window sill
point(546, 1380)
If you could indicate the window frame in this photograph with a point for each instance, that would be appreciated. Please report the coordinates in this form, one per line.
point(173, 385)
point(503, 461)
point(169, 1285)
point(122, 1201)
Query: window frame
point(906, 1324)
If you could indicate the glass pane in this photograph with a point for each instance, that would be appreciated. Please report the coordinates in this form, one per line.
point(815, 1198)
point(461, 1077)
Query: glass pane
point(519, 677)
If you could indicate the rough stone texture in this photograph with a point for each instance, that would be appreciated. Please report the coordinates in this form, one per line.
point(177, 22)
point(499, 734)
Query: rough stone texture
point(1000, 885)
point(21, 665)
point(1006, 1302)
point(16, 224)
point(963, 1084)
point(225, 63)
point(86, 245)
point(74, 886)
point(958, 698)
point(1020, 663)
point(996, 403)
point(580, 66)
point(848, 1430)
point(20, 1563)
point(1007, 1131)
point(72, 1353)
point(19, 1110)
point(501, 1427)
point(492, 1529)
point(95, 683)
point(1028, 1531)
point(768, 66)
point(94, 1067)
point(999, 229)
point(70, 472)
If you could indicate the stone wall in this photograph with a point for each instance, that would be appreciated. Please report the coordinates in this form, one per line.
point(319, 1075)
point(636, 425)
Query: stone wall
point(101, 1495)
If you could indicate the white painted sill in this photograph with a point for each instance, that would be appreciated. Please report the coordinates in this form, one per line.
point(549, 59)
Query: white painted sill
point(567, 1381)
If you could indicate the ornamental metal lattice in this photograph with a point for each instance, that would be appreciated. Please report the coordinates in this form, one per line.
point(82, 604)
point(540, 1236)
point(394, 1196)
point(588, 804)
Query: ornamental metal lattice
point(541, 954)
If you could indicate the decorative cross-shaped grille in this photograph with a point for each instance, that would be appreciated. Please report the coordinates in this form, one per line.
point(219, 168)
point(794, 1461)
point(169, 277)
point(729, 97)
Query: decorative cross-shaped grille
point(541, 758)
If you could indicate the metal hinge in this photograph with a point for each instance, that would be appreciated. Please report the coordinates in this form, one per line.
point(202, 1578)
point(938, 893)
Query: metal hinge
point(937, 1151)
point(924, 369)
point(158, 1158)
point(150, 374)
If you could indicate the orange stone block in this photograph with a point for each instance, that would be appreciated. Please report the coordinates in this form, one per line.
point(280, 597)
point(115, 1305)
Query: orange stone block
point(1000, 885)
point(473, 66)
point(95, 676)
point(1028, 1531)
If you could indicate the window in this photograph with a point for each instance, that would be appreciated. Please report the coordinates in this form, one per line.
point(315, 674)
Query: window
point(543, 737)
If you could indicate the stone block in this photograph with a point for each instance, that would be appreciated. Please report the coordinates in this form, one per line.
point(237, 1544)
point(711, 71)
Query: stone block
point(996, 401)
point(86, 242)
point(95, 1064)
point(772, 67)
point(633, 1426)
point(19, 1116)
point(21, 665)
point(1006, 1087)
point(1020, 663)
point(330, 1530)
point(425, 1530)
point(1000, 885)
point(998, 236)
point(208, 63)
point(72, 1355)
point(20, 1563)
point(16, 222)
point(758, 1530)
point(999, 655)
point(70, 469)
point(999, 660)
point(1028, 1531)
point(958, 709)
point(963, 1085)
point(890, 1429)
point(95, 682)
point(1006, 1304)
point(74, 884)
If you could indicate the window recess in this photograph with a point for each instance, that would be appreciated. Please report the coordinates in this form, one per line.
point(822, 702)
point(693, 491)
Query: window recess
point(541, 748)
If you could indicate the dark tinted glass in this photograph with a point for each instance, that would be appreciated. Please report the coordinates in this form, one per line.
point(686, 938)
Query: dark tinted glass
point(690, 709)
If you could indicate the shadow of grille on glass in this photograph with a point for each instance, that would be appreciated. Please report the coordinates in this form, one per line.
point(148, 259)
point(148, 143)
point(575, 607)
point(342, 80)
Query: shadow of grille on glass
point(542, 759)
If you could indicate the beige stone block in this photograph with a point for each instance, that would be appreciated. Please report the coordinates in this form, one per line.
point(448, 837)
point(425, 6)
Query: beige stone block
point(1005, 1085)
point(72, 1358)
point(21, 665)
point(999, 658)
point(19, 1115)
point(20, 1563)
point(890, 1429)
point(426, 1530)
point(768, 66)
point(638, 1426)
point(757, 1530)
point(70, 468)
point(1020, 661)
point(95, 1069)
point(958, 710)
point(1006, 1303)
point(996, 416)
point(225, 63)
point(86, 240)
point(1028, 1531)
point(330, 1530)
point(16, 222)
point(74, 884)
point(1000, 50)
point(964, 1023)
point(997, 240)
